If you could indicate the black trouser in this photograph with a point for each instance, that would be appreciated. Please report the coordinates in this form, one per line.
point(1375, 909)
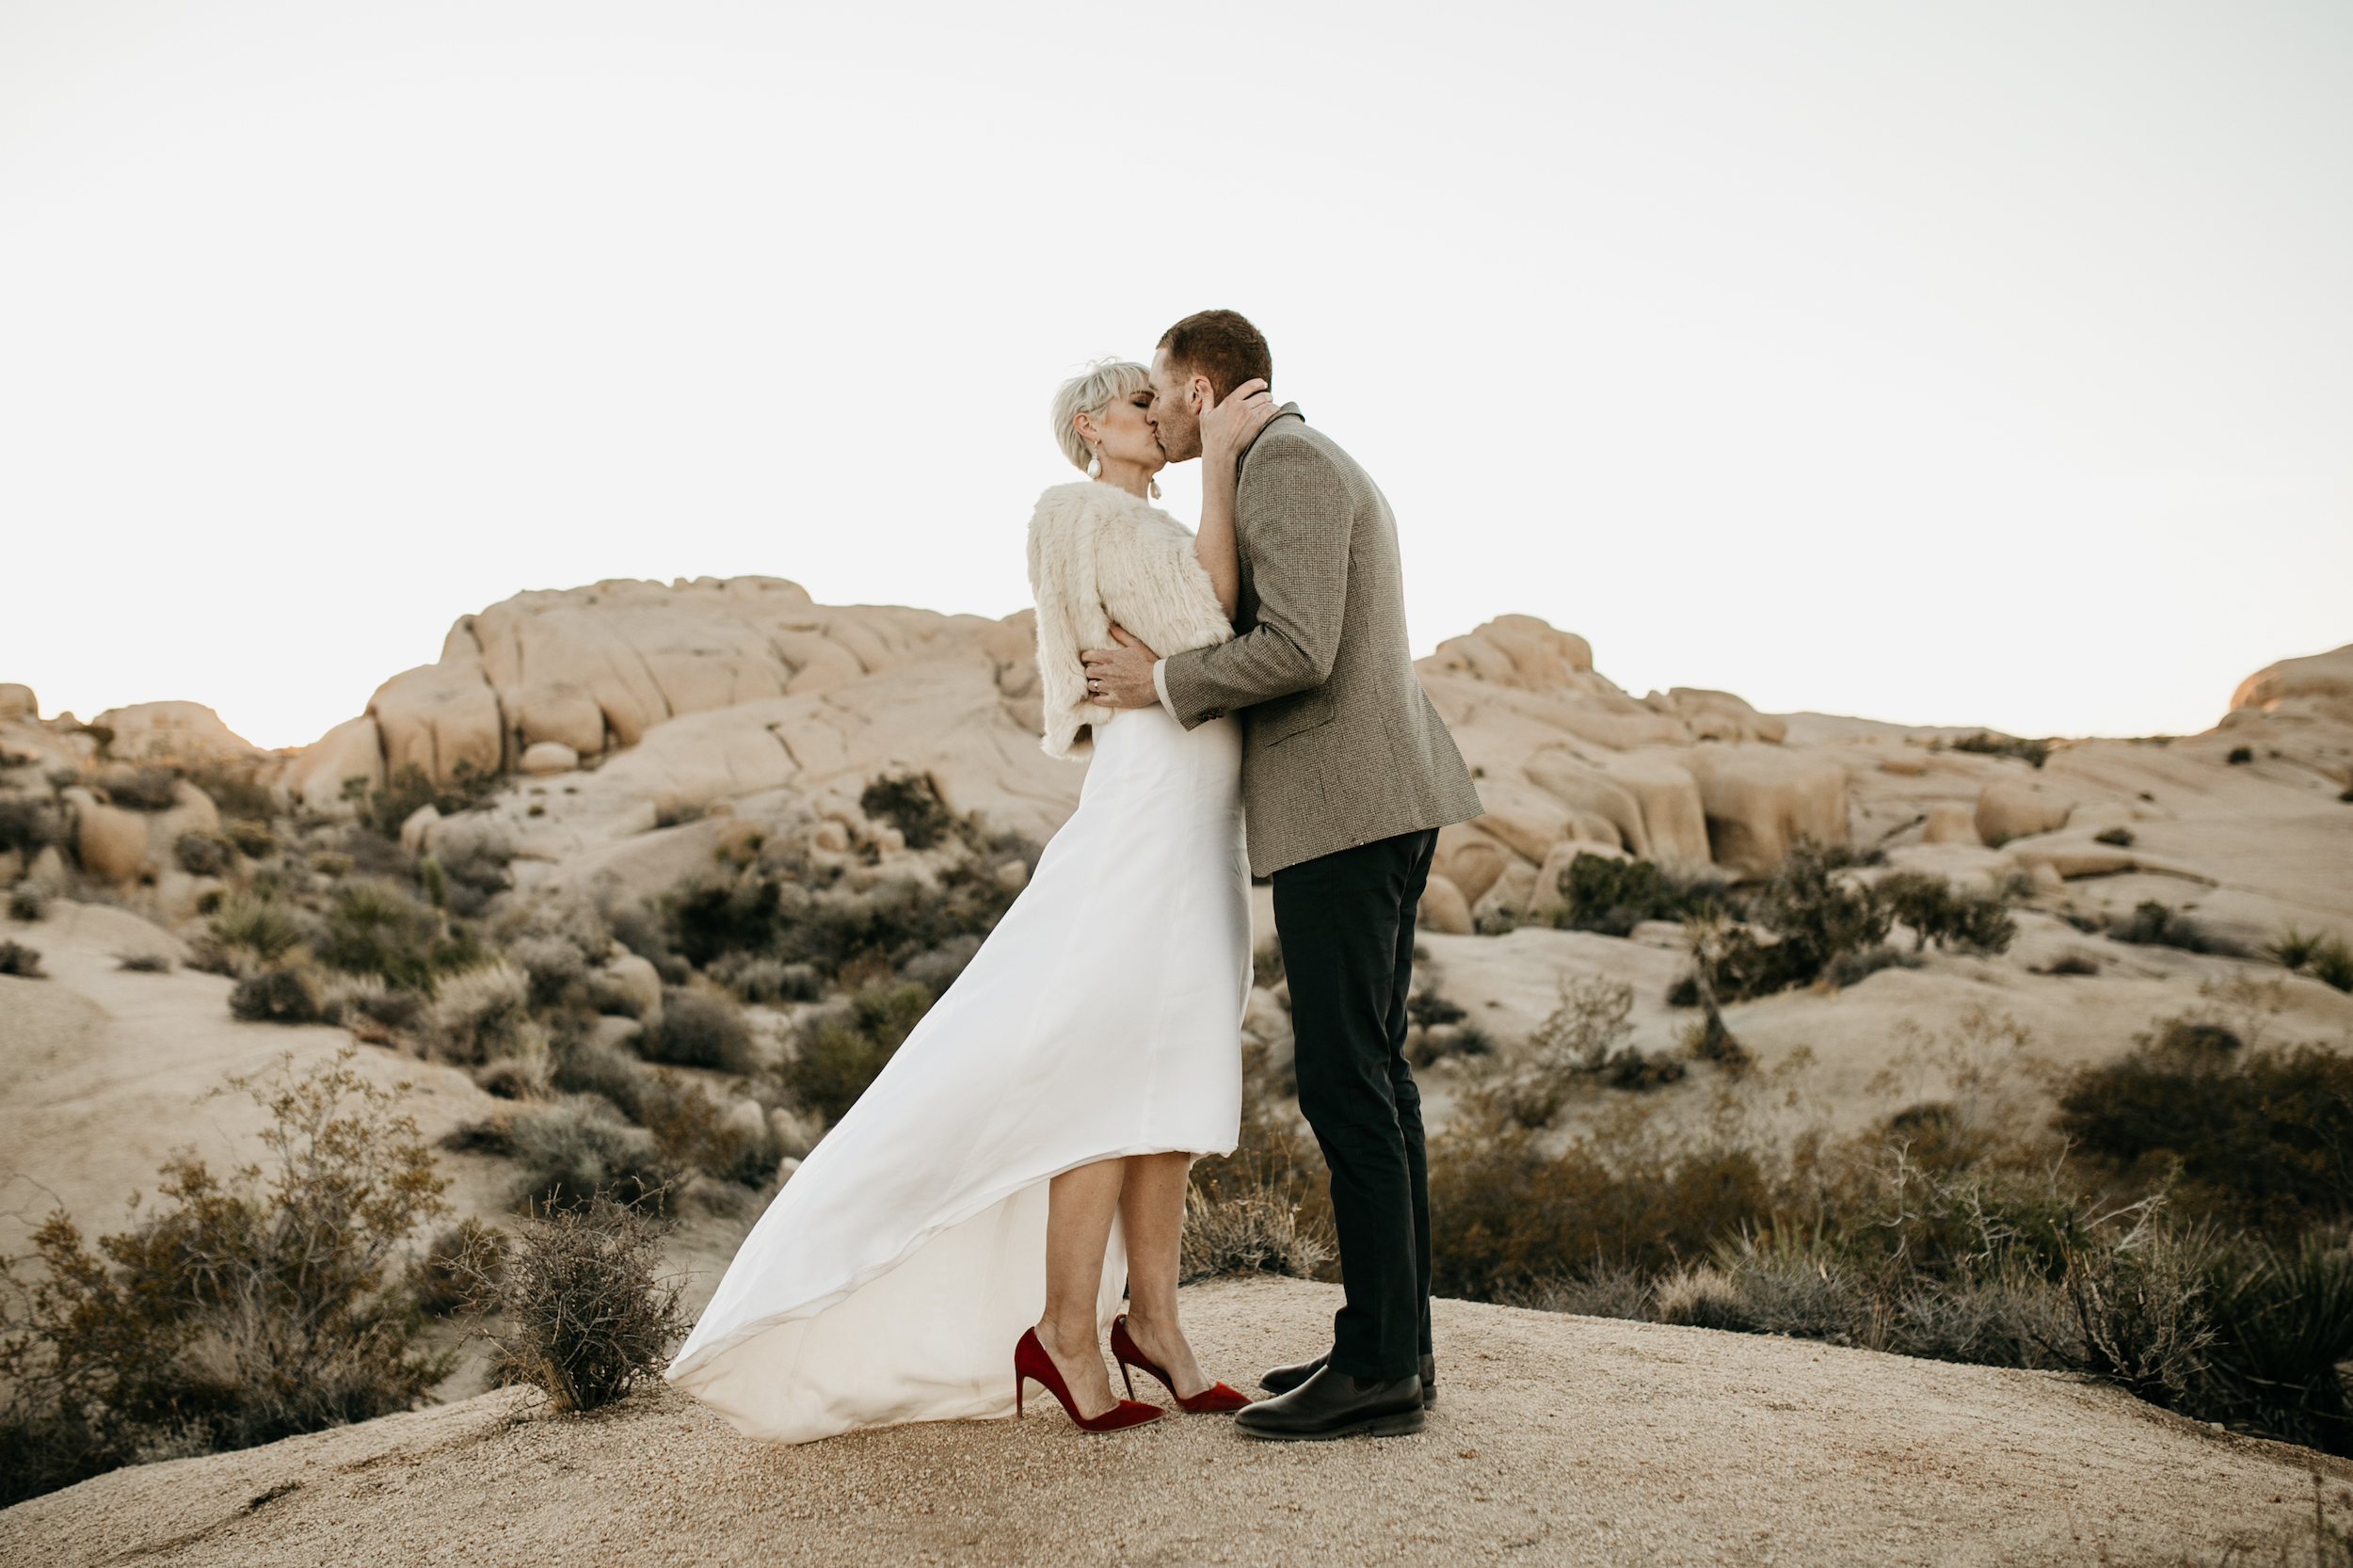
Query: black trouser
point(1345, 921)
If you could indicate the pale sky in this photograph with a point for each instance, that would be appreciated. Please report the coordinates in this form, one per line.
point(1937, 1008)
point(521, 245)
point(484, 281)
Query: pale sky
point(1985, 363)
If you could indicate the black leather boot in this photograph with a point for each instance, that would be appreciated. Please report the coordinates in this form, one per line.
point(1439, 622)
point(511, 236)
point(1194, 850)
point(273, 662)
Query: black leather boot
point(1284, 1378)
point(1333, 1404)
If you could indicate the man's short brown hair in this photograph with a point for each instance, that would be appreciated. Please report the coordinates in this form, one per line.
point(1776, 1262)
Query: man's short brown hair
point(1221, 345)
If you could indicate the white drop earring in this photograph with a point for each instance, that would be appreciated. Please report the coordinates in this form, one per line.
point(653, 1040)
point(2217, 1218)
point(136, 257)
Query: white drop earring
point(1154, 486)
point(1095, 464)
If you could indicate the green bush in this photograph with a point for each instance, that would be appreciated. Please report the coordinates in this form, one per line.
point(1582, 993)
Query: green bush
point(700, 1029)
point(374, 928)
point(2154, 925)
point(18, 960)
point(408, 790)
point(142, 789)
point(910, 805)
point(2262, 1139)
point(253, 838)
point(577, 1150)
point(244, 1308)
point(1935, 913)
point(1602, 893)
point(1853, 969)
point(839, 1055)
point(203, 853)
point(28, 825)
point(251, 927)
point(2325, 958)
point(288, 996)
point(1988, 745)
point(236, 788)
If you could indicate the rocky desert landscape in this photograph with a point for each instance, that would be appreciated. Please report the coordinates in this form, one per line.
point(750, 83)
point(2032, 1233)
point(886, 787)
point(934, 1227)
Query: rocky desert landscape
point(655, 873)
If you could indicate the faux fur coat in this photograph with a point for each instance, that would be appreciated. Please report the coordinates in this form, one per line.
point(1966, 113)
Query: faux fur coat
point(1097, 555)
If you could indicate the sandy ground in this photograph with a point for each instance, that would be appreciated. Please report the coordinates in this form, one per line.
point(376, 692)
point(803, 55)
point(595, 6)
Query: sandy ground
point(1567, 1440)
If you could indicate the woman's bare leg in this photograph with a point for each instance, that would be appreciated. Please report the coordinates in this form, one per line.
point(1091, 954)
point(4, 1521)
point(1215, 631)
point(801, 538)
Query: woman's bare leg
point(1079, 1209)
point(1152, 1212)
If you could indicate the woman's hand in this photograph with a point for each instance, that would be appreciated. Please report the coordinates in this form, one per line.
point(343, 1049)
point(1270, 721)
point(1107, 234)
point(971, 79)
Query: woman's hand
point(1227, 429)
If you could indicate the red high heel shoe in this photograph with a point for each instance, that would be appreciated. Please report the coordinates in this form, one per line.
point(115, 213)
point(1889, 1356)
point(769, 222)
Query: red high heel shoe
point(1030, 1360)
point(1216, 1399)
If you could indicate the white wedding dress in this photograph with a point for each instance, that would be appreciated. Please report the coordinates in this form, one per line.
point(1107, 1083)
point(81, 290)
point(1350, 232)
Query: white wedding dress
point(892, 1275)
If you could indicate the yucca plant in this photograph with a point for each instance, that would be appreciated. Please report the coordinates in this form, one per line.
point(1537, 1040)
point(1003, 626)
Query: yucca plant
point(2282, 1321)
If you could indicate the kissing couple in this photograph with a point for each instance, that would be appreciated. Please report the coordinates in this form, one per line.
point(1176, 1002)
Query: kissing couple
point(1022, 1163)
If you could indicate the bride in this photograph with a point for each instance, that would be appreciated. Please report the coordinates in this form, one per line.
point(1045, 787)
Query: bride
point(1027, 1150)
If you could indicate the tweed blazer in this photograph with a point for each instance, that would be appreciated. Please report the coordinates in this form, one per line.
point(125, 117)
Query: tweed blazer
point(1340, 745)
point(1097, 555)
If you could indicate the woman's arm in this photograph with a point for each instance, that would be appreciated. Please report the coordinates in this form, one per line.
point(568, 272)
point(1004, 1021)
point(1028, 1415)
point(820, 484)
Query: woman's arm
point(1226, 432)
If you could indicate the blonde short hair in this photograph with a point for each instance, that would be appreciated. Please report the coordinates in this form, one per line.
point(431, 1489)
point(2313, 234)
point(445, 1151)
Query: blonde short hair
point(1102, 384)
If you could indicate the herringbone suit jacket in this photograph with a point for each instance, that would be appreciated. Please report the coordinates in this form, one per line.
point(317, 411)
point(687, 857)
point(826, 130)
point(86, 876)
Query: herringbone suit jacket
point(1340, 745)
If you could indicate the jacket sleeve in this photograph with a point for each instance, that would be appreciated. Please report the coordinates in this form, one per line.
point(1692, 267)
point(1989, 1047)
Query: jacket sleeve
point(1062, 578)
point(1301, 522)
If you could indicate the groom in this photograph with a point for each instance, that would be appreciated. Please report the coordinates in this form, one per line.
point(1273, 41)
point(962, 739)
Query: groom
point(1346, 774)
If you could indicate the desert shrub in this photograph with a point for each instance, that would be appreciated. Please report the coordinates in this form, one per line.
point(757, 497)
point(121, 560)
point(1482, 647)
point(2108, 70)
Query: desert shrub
point(253, 838)
point(288, 996)
point(245, 1307)
point(2074, 963)
point(144, 962)
point(388, 805)
point(28, 903)
point(374, 928)
point(2154, 925)
point(18, 960)
point(2240, 755)
point(1984, 1315)
point(700, 1029)
point(142, 789)
point(937, 969)
point(693, 1133)
point(2325, 958)
point(28, 825)
point(1936, 913)
point(1506, 1216)
point(840, 1054)
point(1600, 892)
point(580, 1312)
point(1853, 969)
point(578, 1148)
point(236, 789)
point(909, 804)
point(556, 966)
point(1986, 743)
point(755, 978)
point(251, 929)
point(1816, 916)
point(1254, 1230)
point(2138, 1320)
point(1576, 1043)
point(2120, 836)
point(460, 1271)
point(203, 853)
point(483, 1015)
point(359, 1001)
point(757, 910)
point(1600, 1291)
point(581, 1065)
point(2262, 1138)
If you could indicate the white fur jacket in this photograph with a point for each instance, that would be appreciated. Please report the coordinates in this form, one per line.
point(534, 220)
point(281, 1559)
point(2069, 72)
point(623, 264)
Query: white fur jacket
point(1097, 555)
